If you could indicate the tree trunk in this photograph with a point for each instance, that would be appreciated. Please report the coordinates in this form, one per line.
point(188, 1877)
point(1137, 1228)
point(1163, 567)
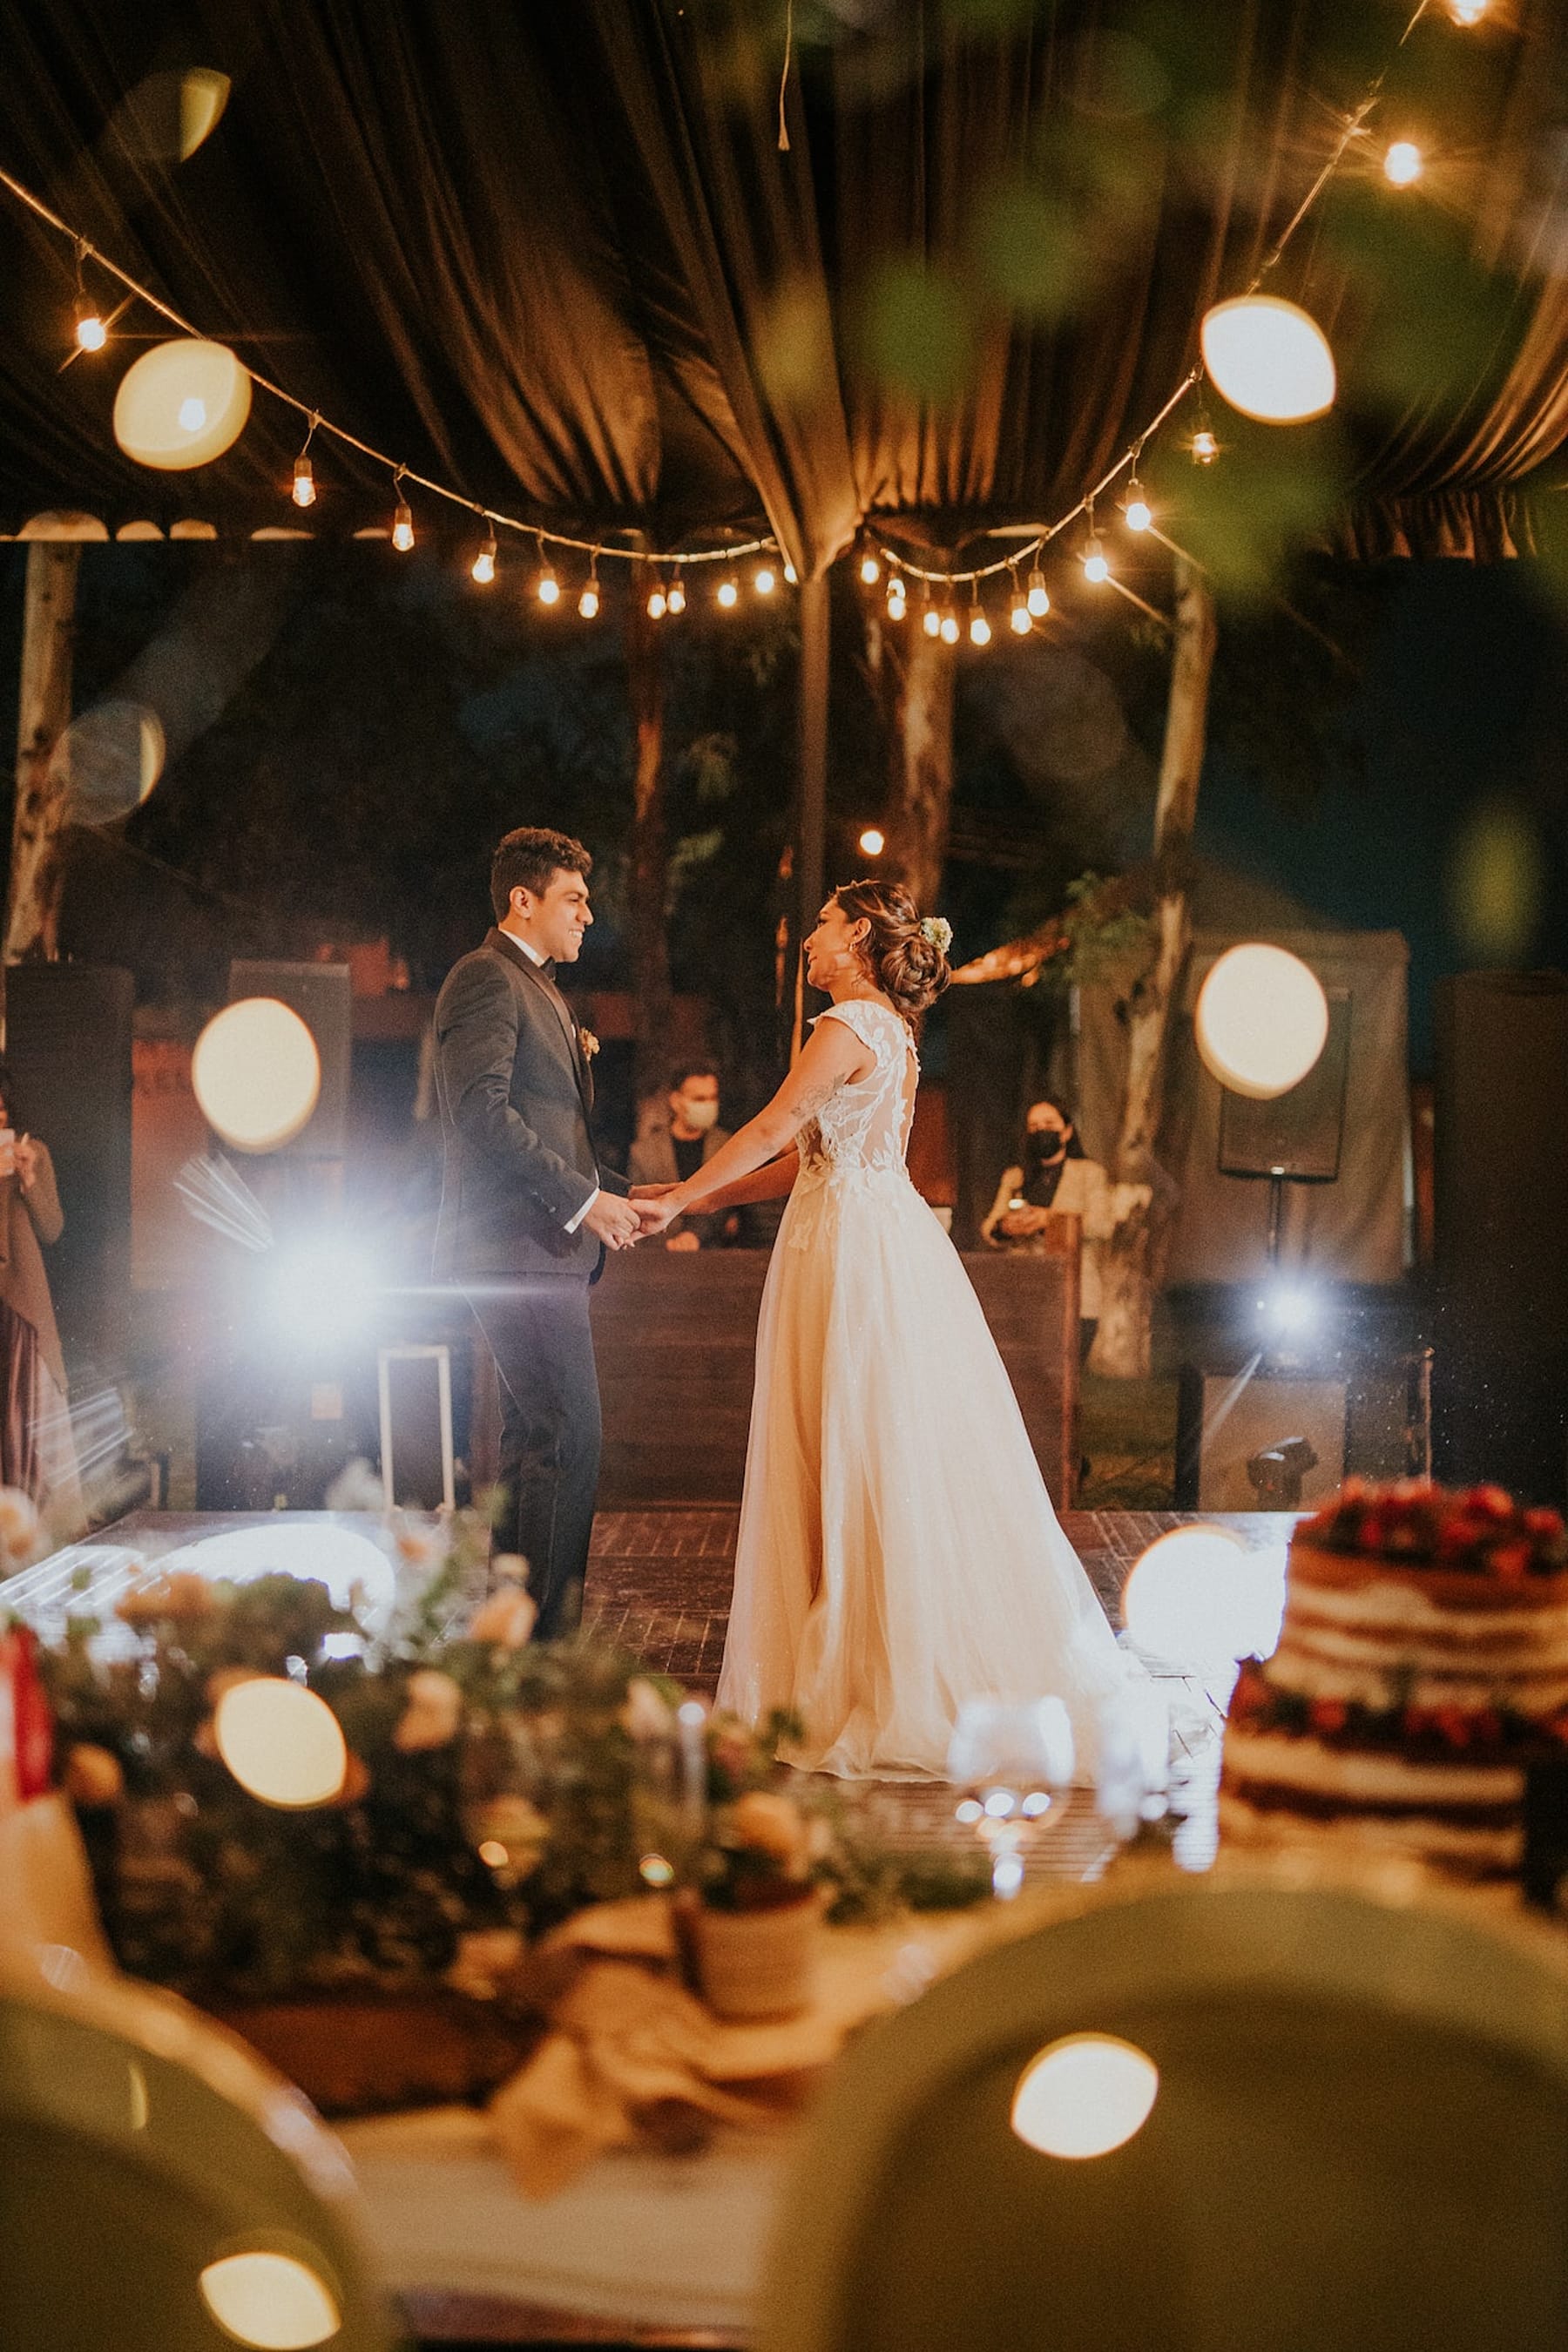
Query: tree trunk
point(1126, 1275)
point(648, 882)
point(43, 713)
point(914, 677)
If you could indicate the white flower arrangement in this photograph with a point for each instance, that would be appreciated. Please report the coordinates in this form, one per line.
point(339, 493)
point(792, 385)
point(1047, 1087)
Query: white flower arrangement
point(937, 932)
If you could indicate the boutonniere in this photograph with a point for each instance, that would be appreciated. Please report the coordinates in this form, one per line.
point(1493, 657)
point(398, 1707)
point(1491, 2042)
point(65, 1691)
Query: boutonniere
point(589, 1043)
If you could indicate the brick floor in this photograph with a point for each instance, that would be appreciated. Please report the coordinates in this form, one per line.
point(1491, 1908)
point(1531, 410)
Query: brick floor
point(659, 1583)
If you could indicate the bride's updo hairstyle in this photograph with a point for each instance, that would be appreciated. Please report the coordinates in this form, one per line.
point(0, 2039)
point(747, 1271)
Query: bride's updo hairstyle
point(906, 965)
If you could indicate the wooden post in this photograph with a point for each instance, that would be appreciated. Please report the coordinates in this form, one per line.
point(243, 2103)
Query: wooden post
point(43, 713)
point(915, 676)
point(1122, 1342)
point(650, 860)
point(811, 784)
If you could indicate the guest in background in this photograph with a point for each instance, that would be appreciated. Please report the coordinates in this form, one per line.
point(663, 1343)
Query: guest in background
point(674, 1145)
point(37, 1450)
point(1053, 1179)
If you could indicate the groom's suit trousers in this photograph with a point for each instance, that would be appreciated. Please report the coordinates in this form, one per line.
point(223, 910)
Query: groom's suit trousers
point(538, 1332)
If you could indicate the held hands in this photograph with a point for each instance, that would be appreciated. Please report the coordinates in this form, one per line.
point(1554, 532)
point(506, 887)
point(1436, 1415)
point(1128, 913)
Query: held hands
point(654, 1206)
point(614, 1221)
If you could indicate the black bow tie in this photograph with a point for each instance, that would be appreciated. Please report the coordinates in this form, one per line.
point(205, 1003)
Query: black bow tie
point(548, 967)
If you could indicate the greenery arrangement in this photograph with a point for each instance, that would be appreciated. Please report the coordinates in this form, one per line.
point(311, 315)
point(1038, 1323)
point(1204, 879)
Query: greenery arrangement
point(492, 1786)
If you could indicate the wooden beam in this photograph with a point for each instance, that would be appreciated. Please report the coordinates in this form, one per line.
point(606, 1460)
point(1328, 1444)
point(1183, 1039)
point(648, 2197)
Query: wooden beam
point(43, 713)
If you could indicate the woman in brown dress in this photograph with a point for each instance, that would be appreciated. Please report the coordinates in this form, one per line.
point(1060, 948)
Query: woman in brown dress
point(36, 1451)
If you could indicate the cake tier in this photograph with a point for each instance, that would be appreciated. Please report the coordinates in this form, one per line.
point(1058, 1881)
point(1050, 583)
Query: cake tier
point(1368, 1631)
point(1478, 1850)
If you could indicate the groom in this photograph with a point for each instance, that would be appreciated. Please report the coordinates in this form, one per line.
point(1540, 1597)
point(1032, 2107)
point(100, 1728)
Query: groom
point(526, 1210)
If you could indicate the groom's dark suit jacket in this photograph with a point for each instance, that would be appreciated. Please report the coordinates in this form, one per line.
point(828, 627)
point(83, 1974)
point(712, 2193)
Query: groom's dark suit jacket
point(516, 1094)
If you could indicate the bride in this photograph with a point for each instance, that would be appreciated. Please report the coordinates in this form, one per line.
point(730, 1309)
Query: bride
point(897, 1551)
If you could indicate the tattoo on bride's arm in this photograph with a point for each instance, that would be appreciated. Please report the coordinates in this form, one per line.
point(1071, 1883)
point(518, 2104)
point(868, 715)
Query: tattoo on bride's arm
point(814, 1096)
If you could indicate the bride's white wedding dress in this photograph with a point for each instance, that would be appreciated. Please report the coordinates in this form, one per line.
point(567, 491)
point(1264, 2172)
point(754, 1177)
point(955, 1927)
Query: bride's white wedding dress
point(897, 1551)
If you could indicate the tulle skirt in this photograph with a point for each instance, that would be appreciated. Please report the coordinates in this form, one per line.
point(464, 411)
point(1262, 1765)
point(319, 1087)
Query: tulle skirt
point(897, 1551)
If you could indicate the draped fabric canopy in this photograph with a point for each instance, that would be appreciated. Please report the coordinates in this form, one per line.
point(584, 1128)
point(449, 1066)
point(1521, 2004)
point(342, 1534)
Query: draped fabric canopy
point(555, 256)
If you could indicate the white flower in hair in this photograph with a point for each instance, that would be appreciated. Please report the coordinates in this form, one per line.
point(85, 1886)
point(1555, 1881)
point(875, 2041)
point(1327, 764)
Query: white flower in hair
point(937, 932)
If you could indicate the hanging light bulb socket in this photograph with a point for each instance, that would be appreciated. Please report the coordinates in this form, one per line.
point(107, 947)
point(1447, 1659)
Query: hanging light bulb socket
point(1095, 567)
point(728, 592)
point(675, 598)
point(1136, 512)
point(792, 577)
point(588, 602)
point(870, 570)
point(658, 598)
point(1018, 619)
point(92, 334)
point(547, 588)
point(949, 625)
point(1038, 599)
point(1403, 164)
point(930, 619)
point(764, 579)
point(483, 567)
point(402, 518)
point(979, 626)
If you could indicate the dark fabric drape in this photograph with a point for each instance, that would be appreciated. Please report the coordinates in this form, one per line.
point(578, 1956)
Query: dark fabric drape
point(556, 255)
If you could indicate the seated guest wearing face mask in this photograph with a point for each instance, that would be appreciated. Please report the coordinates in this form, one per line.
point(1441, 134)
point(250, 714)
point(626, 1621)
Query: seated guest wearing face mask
point(672, 1148)
point(1054, 1179)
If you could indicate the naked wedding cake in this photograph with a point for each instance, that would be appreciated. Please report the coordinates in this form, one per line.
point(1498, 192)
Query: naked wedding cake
point(1423, 1661)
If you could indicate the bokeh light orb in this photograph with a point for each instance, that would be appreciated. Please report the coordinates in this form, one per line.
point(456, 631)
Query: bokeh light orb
point(273, 2301)
point(281, 1742)
point(181, 405)
point(1187, 1599)
point(356, 1572)
point(257, 1073)
point(107, 760)
point(1084, 2096)
point(1261, 1022)
point(1268, 359)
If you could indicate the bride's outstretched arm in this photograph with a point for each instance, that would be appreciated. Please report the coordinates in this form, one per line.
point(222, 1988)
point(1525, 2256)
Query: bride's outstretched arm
point(770, 1183)
point(833, 1055)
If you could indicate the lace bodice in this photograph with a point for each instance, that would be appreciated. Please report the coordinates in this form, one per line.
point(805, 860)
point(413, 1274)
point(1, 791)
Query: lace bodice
point(864, 1125)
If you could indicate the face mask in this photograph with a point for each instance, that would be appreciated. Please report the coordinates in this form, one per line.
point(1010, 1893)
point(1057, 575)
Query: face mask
point(1042, 1151)
point(698, 1113)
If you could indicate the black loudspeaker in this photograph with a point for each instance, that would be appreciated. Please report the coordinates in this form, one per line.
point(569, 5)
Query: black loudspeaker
point(321, 995)
point(68, 1041)
point(1297, 1134)
point(1501, 1308)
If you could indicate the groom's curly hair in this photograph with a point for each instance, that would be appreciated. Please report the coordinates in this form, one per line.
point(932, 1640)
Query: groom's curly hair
point(526, 858)
point(906, 966)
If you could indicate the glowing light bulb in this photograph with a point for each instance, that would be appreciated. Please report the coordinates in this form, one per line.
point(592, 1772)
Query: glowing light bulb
point(658, 601)
point(873, 841)
point(588, 602)
point(728, 594)
point(979, 628)
point(304, 491)
point(1402, 164)
point(791, 575)
point(897, 607)
point(92, 334)
point(870, 570)
point(950, 627)
point(676, 599)
point(547, 588)
point(1467, 12)
point(402, 527)
point(1137, 513)
point(1095, 567)
point(1038, 601)
point(931, 620)
point(193, 413)
point(484, 565)
point(765, 580)
point(1018, 618)
point(1206, 448)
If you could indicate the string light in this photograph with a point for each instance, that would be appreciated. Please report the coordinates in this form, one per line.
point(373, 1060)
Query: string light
point(588, 602)
point(790, 575)
point(930, 619)
point(1403, 164)
point(1203, 445)
point(403, 518)
point(764, 579)
point(484, 564)
point(897, 607)
point(979, 626)
point(728, 592)
point(547, 588)
point(873, 841)
point(1095, 567)
point(658, 601)
point(92, 334)
point(304, 491)
point(1018, 618)
point(1467, 12)
point(1137, 513)
point(949, 625)
point(1039, 600)
point(675, 599)
point(870, 570)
